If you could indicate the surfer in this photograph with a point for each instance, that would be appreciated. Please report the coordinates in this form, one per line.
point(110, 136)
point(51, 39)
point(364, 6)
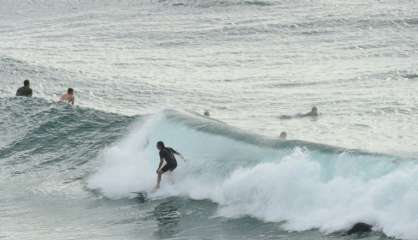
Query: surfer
point(24, 91)
point(68, 97)
point(168, 161)
point(283, 135)
point(312, 113)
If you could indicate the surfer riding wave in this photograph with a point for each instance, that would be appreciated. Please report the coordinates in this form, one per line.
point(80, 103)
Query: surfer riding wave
point(168, 161)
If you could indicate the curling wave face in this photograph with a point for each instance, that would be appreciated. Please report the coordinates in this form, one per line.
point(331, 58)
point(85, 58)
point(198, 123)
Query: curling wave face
point(305, 186)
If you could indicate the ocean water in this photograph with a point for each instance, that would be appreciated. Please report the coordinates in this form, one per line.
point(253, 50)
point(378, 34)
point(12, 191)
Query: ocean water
point(145, 71)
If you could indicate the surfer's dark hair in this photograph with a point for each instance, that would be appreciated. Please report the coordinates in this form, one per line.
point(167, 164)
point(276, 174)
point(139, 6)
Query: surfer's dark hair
point(160, 144)
point(26, 83)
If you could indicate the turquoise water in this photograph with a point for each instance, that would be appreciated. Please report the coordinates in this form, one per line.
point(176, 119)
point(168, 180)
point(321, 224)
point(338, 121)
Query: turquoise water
point(144, 71)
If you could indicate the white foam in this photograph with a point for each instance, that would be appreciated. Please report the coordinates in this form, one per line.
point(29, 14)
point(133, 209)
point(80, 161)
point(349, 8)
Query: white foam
point(126, 167)
point(300, 189)
point(291, 190)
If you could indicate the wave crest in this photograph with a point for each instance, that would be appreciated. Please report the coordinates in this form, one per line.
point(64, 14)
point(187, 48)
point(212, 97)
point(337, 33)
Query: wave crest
point(305, 188)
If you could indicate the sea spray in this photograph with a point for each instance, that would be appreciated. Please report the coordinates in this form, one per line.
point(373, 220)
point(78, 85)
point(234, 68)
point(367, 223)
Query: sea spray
point(126, 166)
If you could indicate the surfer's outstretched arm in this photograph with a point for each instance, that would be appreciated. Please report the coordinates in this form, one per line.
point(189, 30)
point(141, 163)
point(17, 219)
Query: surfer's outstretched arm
point(177, 153)
point(182, 157)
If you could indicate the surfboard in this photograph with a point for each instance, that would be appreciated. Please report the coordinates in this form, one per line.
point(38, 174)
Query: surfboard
point(141, 196)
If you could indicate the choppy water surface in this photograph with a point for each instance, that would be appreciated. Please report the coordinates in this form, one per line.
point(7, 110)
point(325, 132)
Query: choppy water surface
point(68, 173)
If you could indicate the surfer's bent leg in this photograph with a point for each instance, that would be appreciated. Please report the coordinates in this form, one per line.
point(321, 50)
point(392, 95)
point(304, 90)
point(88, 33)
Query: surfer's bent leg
point(164, 169)
point(160, 173)
point(171, 177)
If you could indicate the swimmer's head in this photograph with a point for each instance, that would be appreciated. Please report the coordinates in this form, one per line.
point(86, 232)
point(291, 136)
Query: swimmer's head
point(206, 113)
point(160, 145)
point(283, 135)
point(314, 110)
point(70, 91)
point(26, 83)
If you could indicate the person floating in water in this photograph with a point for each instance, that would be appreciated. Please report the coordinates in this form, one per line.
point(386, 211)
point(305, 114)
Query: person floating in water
point(283, 135)
point(312, 113)
point(206, 113)
point(168, 161)
point(68, 97)
point(24, 91)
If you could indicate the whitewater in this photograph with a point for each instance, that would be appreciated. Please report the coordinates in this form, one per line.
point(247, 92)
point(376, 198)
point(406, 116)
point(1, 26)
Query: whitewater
point(145, 71)
point(307, 188)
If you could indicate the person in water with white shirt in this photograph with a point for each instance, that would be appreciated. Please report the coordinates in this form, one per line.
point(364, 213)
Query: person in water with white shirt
point(68, 97)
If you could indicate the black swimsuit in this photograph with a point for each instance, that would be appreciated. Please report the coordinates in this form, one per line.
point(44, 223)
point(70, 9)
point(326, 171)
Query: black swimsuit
point(168, 155)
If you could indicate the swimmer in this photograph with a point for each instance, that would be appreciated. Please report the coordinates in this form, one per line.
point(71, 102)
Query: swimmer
point(283, 135)
point(206, 113)
point(68, 97)
point(24, 91)
point(168, 161)
point(312, 113)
